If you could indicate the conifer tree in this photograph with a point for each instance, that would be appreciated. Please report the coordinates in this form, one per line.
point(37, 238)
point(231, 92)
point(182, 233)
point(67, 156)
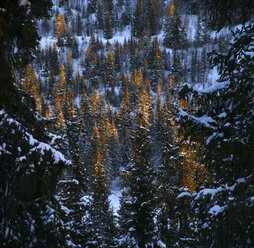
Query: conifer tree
point(59, 28)
point(100, 226)
point(110, 69)
point(112, 140)
point(153, 17)
point(107, 32)
point(138, 25)
point(30, 84)
point(200, 38)
point(168, 218)
point(135, 86)
point(53, 60)
point(173, 29)
point(125, 126)
point(99, 16)
point(91, 9)
point(29, 164)
point(79, 26)
point(69, 70)
point(60, 122)
point(176, 66)
point(61, 83)
point(137, 209)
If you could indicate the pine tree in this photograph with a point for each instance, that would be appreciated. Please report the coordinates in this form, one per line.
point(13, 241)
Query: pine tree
point(168, 218)
point(110, 72)
point(29, 164)
point(79, 26)
point(138, 25)
point(69, 70)
point(176, 66)
point(200, 38)
point(138, 201)
point(91, 9)
point(125, 125)
point(100, 221)
point(53, 60)
point(99, 16)
point(173, 30)
point(107, 32)
point(136, 84)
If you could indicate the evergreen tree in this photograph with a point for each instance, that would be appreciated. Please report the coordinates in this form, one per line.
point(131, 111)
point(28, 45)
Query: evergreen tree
point(138, 25)
point(110, 72)
point(69, 70)
point(107, 32)
point(100, 221)
point(91, 9)
point(168, 217)
point(125, 125)
point(79, 26)
point(173, 31)
point(29, 164)
point(99, 16)
point(137, 209)
point(53, 60)
point(200, 38)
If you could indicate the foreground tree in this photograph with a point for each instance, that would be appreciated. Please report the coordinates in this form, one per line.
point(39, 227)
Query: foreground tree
point(29, 166)
point(224, 120)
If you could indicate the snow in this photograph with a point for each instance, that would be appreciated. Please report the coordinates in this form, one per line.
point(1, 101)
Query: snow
point(24, 3)
point(86, 200)
point(161, 244)
point(66, 210)
point(3, 149)
point(58, 156)
point(46, 42)
point(36, 144)
point(216, 209)
point(205, 120)
point(213, 192)
point(191, 30)
point(115, 200)
point(222, 115)
point(183, 194)
point(69, 181)
point(208, 191)
point(214, 87)
point(215, 134)
point(70, 243)
point(2, 112)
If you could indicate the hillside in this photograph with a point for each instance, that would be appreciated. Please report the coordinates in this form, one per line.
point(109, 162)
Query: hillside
point(126, 123)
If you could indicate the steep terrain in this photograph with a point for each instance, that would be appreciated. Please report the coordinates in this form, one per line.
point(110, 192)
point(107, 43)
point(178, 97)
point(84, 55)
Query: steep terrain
point(132, 126)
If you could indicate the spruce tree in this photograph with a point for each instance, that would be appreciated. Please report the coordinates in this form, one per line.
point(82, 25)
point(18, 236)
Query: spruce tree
point(174, 35)
point(29, 164)
point(100, 226)
point(107, 32)
point(138, 25)
point(137, 209)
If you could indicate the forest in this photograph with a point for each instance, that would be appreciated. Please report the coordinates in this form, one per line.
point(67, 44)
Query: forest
point(126, 123)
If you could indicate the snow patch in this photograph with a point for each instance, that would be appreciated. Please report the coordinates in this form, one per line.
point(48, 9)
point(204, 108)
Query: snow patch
point(216, 210)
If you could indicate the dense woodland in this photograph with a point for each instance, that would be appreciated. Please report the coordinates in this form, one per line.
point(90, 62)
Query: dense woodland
point(151, 101)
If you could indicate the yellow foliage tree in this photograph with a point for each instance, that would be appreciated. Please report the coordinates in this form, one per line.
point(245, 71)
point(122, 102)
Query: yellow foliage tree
point(59, 25)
